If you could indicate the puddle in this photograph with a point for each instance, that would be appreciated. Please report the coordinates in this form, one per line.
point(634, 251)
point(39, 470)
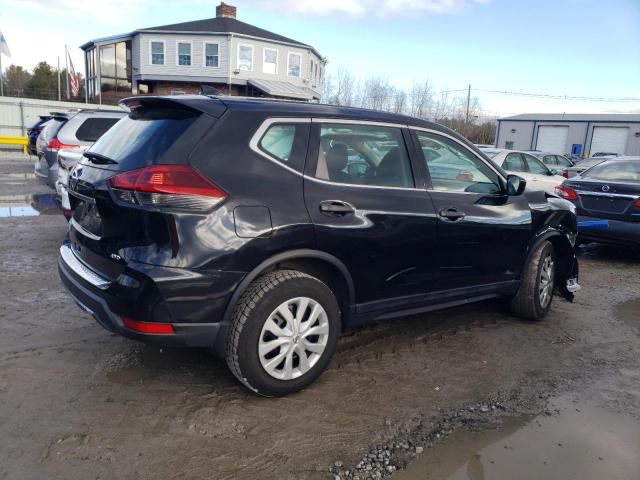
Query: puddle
point(28, 205)
point(584, 442)
point(629, 313)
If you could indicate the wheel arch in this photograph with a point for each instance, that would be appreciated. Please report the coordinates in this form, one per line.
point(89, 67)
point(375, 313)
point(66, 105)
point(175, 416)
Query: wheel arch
point(564, 253)
point(321, 265)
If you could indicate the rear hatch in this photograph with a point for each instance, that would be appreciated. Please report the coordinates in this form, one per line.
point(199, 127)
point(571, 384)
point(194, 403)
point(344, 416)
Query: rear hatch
point(603, 199)
point(122, 207)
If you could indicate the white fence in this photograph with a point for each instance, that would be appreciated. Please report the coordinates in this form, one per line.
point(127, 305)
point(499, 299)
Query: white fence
point(18, 114)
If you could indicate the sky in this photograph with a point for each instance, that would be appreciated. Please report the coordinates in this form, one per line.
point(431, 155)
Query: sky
point(573, 48)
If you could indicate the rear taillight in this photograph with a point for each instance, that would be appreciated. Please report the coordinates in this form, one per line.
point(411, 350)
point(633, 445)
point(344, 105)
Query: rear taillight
point(637, 203)
point(565, 192)
point(55, 145)
point(565, 173)
point(167, 186)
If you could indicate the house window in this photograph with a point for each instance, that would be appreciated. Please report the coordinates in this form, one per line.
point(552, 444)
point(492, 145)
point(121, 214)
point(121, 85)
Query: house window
point(270, 61)
point(293, 67)
point(245, 57)
point(184, 53)
point(211, 54)
point(157, 53)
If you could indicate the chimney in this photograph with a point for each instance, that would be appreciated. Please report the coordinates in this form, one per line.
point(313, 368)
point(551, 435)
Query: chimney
point(224, 10)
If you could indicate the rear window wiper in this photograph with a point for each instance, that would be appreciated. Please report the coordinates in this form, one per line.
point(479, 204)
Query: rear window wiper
point(99, 159)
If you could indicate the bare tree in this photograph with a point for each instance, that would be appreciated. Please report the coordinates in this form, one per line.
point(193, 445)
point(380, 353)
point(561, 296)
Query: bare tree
point(377, 93)
point(421, 99)
point(399, 101)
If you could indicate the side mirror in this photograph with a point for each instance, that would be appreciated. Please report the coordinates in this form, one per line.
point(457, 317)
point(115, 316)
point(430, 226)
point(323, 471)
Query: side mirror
point(515, 185)
point(553, 171)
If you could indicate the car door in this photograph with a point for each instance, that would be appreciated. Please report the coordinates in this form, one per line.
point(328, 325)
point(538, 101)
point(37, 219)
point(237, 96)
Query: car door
point(540, 174)
point(482, 232)
point(361, 194)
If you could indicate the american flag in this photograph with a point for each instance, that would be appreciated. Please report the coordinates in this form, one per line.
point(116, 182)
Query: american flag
point(73, 79)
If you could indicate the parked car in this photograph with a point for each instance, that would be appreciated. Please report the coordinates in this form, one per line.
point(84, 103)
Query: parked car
point(536, 173)
point(193, 225)
point(33, 131)
point(47, 146)
point(67, 160)
point(604, 154)
point(84, 129)
point(608, 191)
point(585, 165)
point(553, 160)
point(77, 130)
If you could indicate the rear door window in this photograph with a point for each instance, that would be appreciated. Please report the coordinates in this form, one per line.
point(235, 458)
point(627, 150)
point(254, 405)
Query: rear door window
point(93, 128)
point(363, 155)
point(514, 163)
point(550, 160)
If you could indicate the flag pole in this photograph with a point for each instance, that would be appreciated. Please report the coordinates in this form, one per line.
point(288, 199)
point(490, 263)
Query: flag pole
point(59, 96)
point(1, 78)
point(66, 63)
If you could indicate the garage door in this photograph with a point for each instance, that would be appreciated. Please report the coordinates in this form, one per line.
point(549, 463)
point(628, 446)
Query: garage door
point(552, 139)
point(609, 139)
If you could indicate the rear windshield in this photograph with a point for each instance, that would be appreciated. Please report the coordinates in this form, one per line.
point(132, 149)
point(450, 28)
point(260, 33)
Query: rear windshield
point(93, 128)
point(616, 170)
point(143, 137)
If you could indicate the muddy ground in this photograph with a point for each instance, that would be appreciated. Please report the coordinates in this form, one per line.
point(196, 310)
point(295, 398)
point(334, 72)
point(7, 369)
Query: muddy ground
point(77, 402)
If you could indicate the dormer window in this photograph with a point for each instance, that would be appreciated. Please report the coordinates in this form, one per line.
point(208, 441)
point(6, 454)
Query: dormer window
point(293, 64)
point(157, 53)
point(245, 57)
point(184, 53)
point(270, 61)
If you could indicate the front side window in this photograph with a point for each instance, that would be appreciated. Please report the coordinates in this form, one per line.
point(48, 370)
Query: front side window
point(514, 163)
point(270, 61)
point(184, 53)
point(453, 168)
point(278, 143)
point(211, 55)
point(363, 155)
point(293, 67)
point(245, 57)
point(157, 53)
point(536, 166)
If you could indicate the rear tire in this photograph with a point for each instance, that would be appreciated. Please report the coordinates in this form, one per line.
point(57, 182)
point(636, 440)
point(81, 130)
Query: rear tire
point(535, 295)
point(284, 331)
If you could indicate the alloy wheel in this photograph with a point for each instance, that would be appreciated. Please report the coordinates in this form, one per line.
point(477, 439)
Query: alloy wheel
point(545, 286)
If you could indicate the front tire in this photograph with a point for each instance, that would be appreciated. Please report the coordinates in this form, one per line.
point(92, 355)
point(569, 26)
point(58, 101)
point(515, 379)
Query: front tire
point(284, 331)
point(535, 295)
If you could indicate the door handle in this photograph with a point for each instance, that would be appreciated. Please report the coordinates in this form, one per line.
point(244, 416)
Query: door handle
point(336, 208)
point(452, 214)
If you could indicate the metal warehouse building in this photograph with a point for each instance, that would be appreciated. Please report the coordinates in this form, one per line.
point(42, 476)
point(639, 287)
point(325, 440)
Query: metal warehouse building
point(577, 134)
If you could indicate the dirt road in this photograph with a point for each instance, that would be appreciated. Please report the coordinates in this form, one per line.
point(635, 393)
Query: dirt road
point(77, 402)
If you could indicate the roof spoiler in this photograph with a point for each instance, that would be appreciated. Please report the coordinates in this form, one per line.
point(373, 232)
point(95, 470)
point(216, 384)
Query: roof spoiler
point(199, 103)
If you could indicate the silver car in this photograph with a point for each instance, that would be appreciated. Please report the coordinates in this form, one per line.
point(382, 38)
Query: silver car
point(75, 130)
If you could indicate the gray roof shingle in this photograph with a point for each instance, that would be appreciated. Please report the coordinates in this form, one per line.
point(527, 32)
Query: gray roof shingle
point(222, 25)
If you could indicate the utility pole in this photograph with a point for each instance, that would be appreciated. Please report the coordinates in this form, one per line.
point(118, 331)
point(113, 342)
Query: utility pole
point(1, 78)
point(66, 63)
point(468, 102)
point(59, 97)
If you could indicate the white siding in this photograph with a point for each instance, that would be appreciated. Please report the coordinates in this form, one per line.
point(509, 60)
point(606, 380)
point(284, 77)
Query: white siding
point(170, 67)
point(283, 53)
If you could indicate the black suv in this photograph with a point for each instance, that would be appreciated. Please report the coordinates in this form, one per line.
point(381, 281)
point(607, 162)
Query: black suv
point(262, 229)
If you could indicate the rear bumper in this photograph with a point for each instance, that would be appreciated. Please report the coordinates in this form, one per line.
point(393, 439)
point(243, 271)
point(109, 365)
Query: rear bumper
point(618, 233)
point(95, 298)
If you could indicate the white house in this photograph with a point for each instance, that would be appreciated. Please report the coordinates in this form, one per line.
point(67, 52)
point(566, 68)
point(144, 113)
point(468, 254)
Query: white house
point(223, 52)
